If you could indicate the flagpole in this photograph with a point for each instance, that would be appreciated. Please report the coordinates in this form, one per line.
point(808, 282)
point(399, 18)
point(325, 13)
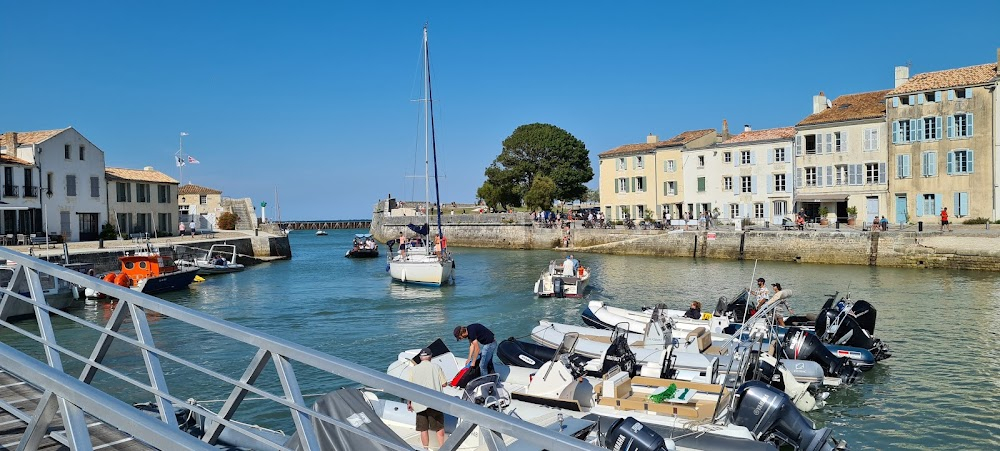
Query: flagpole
point(180, 161)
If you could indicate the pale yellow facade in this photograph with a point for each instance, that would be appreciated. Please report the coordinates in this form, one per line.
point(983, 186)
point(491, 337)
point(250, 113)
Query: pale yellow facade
point(629, 186)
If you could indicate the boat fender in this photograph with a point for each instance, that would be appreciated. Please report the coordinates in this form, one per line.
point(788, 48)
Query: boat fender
point(110, 277)
point(123, 280)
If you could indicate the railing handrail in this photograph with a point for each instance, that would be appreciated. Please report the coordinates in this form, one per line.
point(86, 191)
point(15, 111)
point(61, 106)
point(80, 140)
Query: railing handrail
point(279, 350)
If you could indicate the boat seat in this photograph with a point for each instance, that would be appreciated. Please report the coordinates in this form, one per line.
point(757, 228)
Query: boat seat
point(703, 338)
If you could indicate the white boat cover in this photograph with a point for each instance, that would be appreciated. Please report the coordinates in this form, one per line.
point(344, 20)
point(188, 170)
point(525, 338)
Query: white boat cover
point(349, 406)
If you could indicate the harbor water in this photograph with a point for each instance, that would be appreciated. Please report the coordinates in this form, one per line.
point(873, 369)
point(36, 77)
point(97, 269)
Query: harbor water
point(940, 390)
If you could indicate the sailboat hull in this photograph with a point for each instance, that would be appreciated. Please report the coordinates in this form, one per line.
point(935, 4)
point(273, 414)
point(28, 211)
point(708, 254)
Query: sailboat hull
point(431, 272)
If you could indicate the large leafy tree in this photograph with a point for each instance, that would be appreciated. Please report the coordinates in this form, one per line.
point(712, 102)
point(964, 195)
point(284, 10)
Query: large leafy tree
point(541, 194)
point(535, 150)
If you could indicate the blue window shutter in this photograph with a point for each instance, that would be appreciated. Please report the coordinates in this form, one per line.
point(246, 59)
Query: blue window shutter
point(829, 143)
point(951, 162)
point(957, 209)
point(881, 173)
point(736, 158)
point(938, 203)
point(951, 94)
point(968, 93)
point(798, 145)
point(766, 216)
point(932, 164)
point(895, 132)
point(915, 128)
point(913, 99)
point(895, 102)
point(843, 141)
point(920, 204)
point(788, 182)
point(770, 184)
point(829, 176)
point(951, 126)
point(819, 175)
point(968, 156)
point(920, 98)
point(963, 203)
point(899, 167)
point(798, 178)
point(753, 184)
point(770, 156)
point(968, 122)
point(908, 166)
point(753, 157)
point(937, 127)
point(736, 185)
point(937, 96)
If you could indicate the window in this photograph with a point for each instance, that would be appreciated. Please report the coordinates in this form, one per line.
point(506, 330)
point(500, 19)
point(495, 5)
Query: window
point(902, 131)
point(960, 93)
point(70, 185)
point(758, 210)
point(779, 182)
point(928, 164)
point(840, 174)
point(164, 222)
point(669, 188)
point(727, 183)
point(143, 193)
point(871, 173)
point(620, 164)
point(124, 222)
point(932, 128)
point(810, 144)
point(621, 185)
point(734, 210)
point(669, 166)
point(745, 157)
point(66, 151)
point(203, 199)
point(124, 191)
point(837, 142)
point(904, 100)
point(29, 183)
point(95, 187)
point(811, 176)
point(49, 183)
point(871, 139)
point(902, 166)
point(639, 164)
point(929, 204)
point(780, 207)
point(960, 125)
point(701, 184)
point(960, 162)
point(163, 194)
point(82, 148)
point(746, 184)
point(727, 157)
point(779, 155)
point(931, 96)
point(701, 161)
point(640, 185)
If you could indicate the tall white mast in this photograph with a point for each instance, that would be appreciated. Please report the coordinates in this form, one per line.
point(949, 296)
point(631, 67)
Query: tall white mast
point(427, 128)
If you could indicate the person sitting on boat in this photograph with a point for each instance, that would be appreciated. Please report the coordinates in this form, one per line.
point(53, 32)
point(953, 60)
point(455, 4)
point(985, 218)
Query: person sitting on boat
point(220, 260)
point(694, 312)
point(567, 268)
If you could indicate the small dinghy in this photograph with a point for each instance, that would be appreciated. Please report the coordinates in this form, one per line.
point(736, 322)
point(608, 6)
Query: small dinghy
point(321, 233)
point(364, 246)
point(563, 279)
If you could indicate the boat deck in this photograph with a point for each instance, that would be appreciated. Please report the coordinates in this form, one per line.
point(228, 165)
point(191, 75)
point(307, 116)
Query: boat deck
point(17, 395)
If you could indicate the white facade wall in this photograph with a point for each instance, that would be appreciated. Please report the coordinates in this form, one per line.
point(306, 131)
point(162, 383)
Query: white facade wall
point(152, 214)
point(61, 203)
point(702, 183)
point(760, 180)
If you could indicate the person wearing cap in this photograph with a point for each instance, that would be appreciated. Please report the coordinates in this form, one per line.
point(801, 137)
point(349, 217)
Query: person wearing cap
point(428, 374)
point(481, 342)
point(761, 293)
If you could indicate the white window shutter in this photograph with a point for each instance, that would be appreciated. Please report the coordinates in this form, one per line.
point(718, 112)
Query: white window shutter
point(819, 175)
point(951, 94)
point(843, 141)
point(829, 143)
point(770, 184)
point(788, 184)
point(753, 184)
point(770, 156)
point(798, 145)
point(798, 178)
point(895, 102)
point(920, 205)
point(951, 126)
point(875, 138)
point(753, 157)
point(829, 176)
point(968, 154)
point(881, 173)
point(968, 122)
point(920, 98)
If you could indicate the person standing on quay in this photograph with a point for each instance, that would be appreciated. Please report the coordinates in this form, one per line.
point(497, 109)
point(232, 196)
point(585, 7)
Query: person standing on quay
point(428, 374)
point(180, 229)
point(191, 228)
point(481, 342)
point(944, 219)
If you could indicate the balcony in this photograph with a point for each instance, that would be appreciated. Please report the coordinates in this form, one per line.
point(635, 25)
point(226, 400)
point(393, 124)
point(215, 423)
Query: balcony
point(30, 191)
point(9, 191)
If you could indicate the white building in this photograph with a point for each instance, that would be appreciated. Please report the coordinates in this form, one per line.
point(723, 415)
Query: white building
point(142, 201)
point(61, 183)
point(754, 174)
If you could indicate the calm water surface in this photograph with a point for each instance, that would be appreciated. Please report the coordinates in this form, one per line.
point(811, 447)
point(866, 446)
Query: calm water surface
point(939, 390)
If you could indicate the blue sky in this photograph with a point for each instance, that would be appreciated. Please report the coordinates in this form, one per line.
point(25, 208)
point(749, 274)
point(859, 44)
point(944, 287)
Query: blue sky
point(315, 99)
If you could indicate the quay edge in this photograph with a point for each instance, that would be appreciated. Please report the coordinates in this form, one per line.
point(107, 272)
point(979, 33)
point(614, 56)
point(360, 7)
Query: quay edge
point(964, 249)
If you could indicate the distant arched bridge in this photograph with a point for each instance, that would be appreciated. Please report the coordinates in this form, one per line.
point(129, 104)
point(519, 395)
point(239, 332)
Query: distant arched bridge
point(323, 225)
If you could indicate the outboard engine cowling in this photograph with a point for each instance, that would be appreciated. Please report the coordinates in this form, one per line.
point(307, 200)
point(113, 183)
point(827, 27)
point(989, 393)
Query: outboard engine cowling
point(628, 434)
point(799, 344)
point(854, 328)
point(770, 415)
point(558, 288)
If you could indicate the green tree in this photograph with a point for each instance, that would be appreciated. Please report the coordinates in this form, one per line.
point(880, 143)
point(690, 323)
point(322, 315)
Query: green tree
point(538, 150)
point(541, 194)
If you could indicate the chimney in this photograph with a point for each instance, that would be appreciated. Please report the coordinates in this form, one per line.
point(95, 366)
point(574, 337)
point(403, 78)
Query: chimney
point(819, 102)
point(11, 139)
point(998, 59)
point(651, 139)
point(725, 130)
point(746, 128)
point(903, 73)
point(148, 169)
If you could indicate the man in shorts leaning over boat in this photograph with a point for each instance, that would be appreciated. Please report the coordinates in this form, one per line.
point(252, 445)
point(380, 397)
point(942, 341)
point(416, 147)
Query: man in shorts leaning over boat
point(430, 375)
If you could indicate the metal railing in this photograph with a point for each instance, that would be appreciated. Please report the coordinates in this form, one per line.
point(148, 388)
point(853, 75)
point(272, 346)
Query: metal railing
point(10, 191)
point(30, 191)
point(77, 394)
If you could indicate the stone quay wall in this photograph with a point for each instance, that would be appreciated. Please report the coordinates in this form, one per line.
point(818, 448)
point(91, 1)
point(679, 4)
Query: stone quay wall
point(965, 249)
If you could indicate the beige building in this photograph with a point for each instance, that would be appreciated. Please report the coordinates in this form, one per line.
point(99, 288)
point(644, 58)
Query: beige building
point(199, 204)
point(141, 201)
point(941, 147)
point(841, 158)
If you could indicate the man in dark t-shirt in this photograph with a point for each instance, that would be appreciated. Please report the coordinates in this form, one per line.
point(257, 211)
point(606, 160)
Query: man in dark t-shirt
point(481, 342)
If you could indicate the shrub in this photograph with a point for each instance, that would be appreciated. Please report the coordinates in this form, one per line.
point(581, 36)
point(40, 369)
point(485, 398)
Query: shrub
point(976, 221)
point(227, 221)
point(108, 232)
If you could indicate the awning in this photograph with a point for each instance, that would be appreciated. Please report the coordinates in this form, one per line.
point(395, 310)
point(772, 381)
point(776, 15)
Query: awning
point(821, 198)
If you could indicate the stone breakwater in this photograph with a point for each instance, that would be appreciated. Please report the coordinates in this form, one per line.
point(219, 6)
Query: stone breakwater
point(963, 249)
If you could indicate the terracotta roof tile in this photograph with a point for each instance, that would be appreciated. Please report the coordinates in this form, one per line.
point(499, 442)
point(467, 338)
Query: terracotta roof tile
point(195, 189)
point(963, 76)
point(678, 140)
point(138, 175)
point(850, 107)
point(7, 159)
point(31, 137)
point(770, 134)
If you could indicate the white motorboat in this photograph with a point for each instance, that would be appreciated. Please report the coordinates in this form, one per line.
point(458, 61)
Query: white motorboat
point(220, 259)
point(58, 293)
point(599, 314)
point(560, 280)
point(425, 264)
point(321, 233)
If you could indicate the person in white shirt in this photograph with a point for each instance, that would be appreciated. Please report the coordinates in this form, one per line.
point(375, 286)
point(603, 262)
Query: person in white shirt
point(568, 267)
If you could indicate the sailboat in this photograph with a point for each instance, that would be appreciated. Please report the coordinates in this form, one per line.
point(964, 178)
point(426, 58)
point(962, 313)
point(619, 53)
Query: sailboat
point(425, 262)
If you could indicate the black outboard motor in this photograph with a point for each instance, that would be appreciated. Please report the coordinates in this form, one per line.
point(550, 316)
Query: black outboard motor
point(772, 417)
point(799, 344)
point(628, 434)
point(620, 354)
point(854, 328)
point(558, 287)
point(739, 309)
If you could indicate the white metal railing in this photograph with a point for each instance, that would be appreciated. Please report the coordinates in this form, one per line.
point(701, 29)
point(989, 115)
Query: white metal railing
point(75, 395)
